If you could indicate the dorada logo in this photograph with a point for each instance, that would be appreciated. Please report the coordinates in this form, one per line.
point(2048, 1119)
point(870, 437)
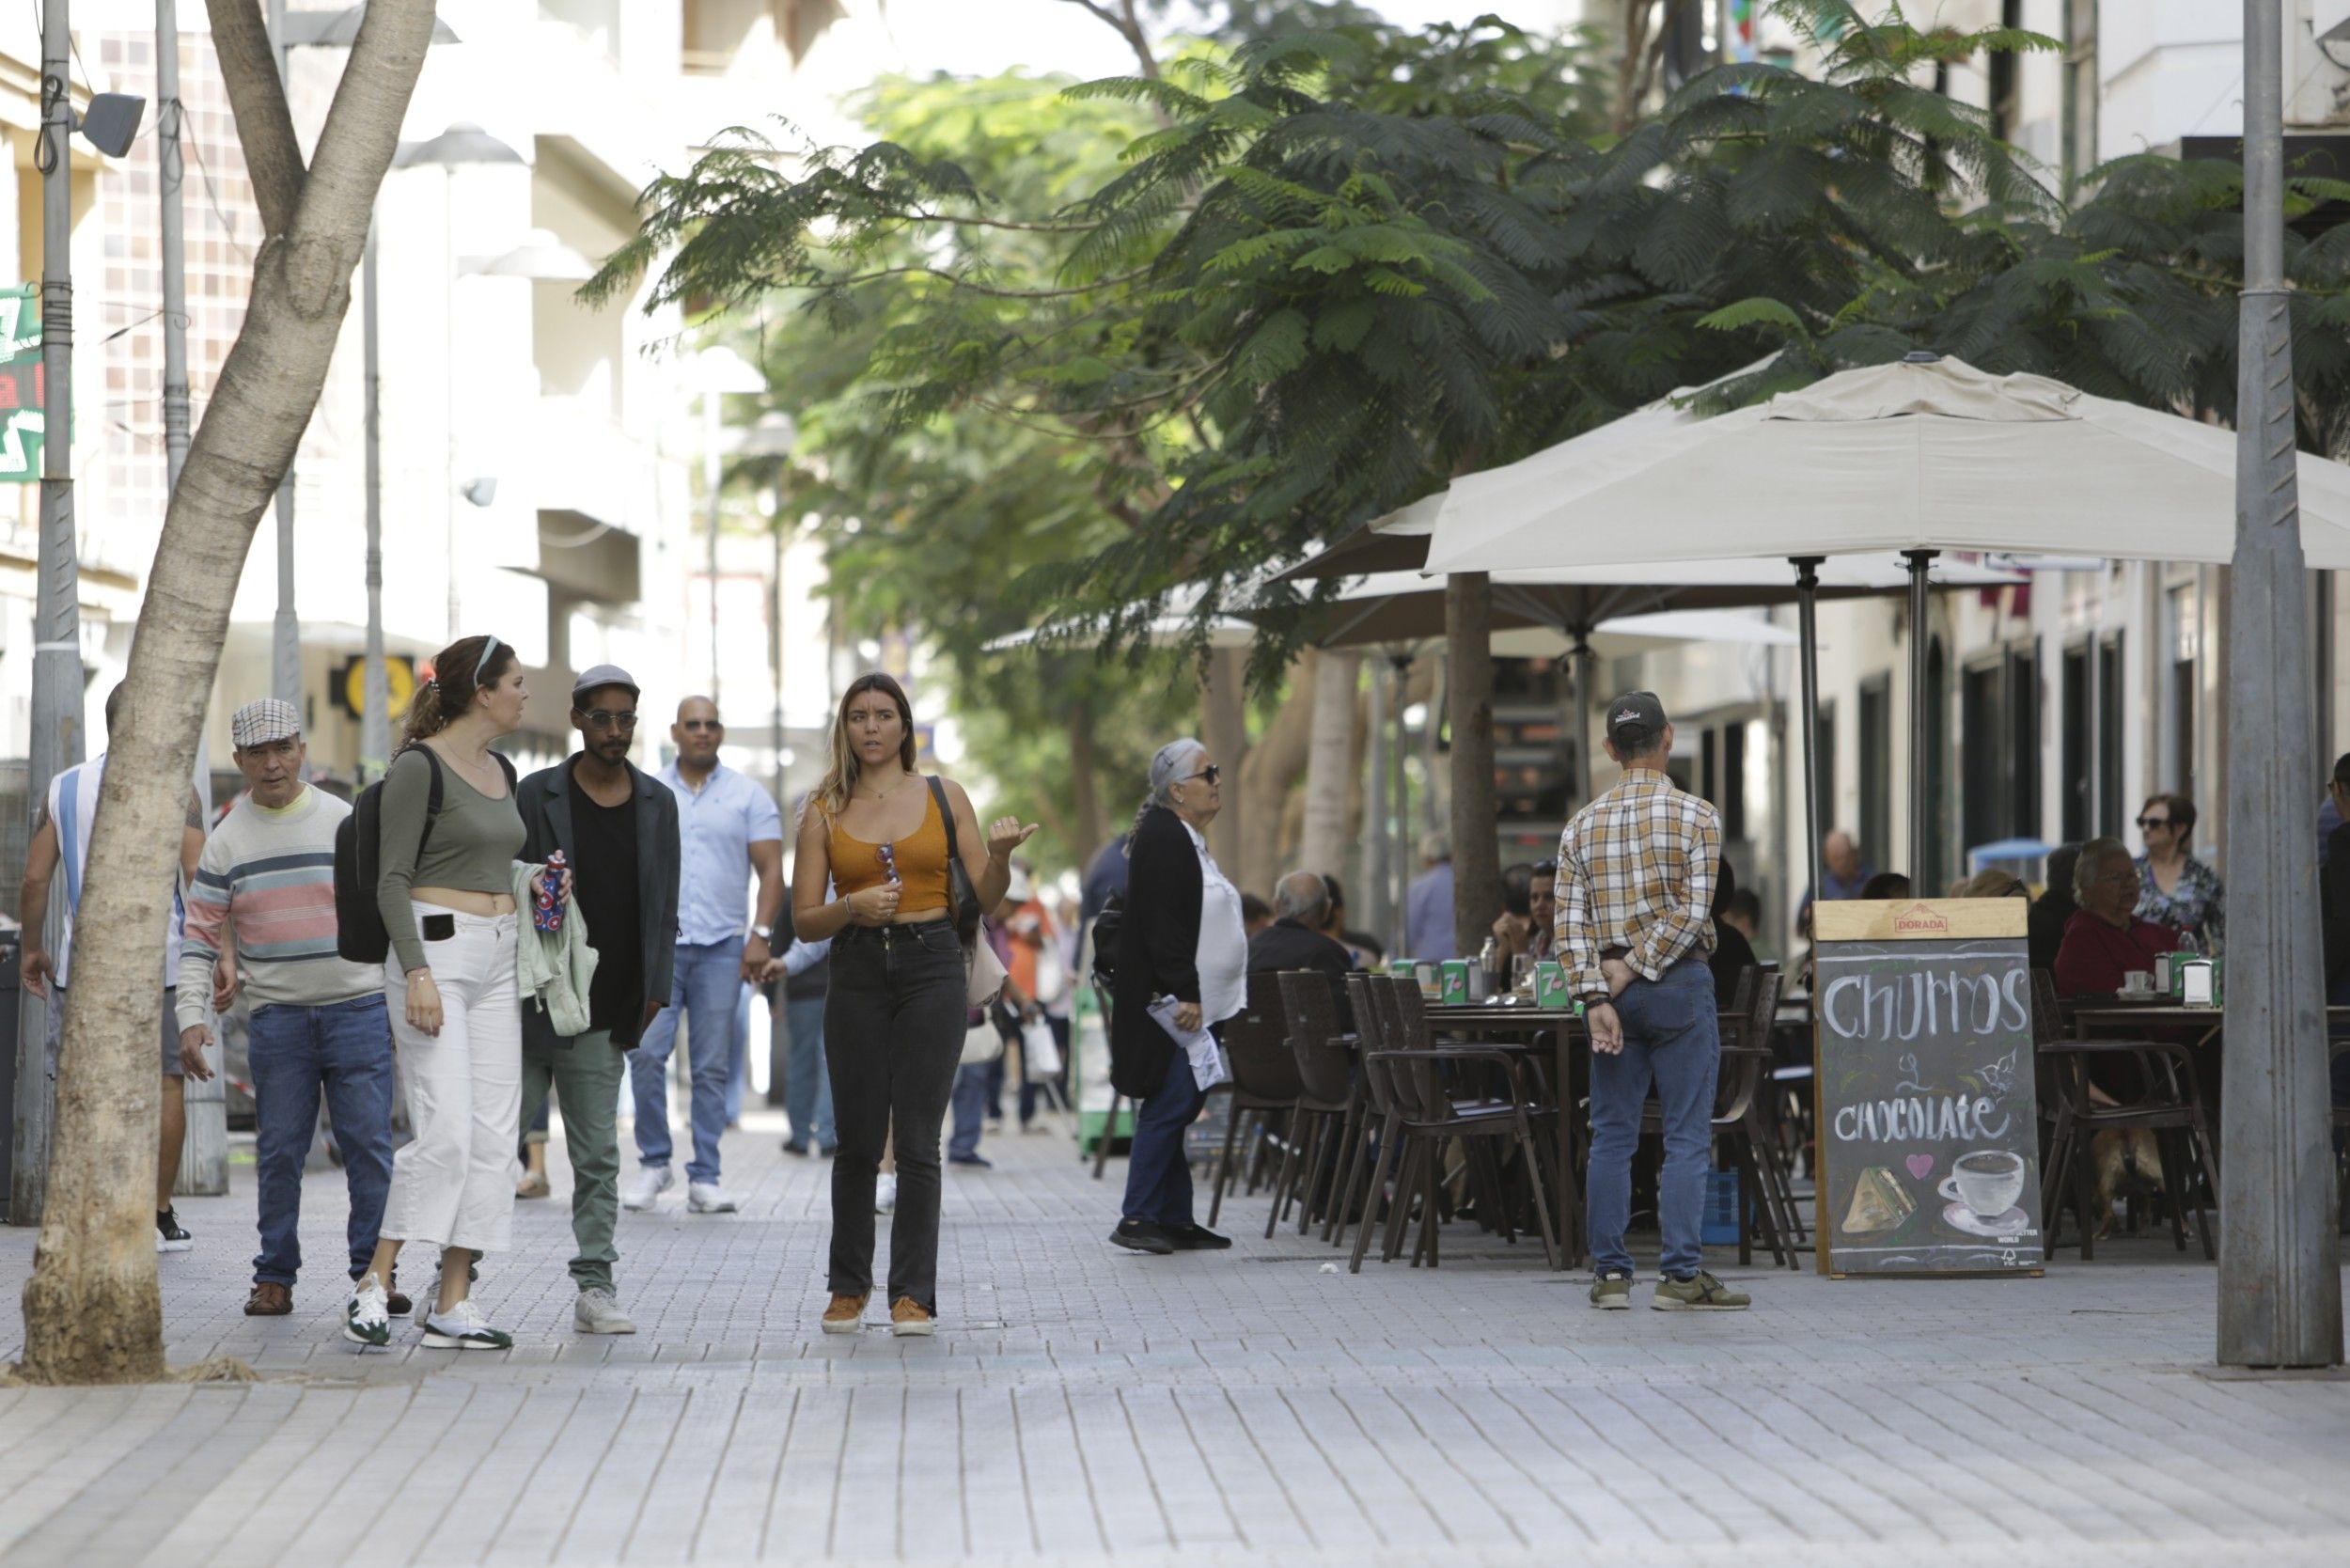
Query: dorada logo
point(1628, 716)
point(1918, 920)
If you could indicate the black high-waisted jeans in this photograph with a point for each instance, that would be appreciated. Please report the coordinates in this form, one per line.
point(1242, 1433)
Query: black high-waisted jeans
point(893, 1037)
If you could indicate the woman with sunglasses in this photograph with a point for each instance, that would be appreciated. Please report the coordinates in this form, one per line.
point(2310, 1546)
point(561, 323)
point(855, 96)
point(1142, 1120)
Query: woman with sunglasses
point(872, 873)
point(2176, 889)
point(444, 888)
point(1182, 937)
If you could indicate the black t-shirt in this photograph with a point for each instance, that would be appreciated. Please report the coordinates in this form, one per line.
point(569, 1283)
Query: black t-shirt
point(604, 883)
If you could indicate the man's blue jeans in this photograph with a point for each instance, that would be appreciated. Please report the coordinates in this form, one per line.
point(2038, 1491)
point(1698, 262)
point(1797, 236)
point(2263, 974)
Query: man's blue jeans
point(970, 1110)
point(1671, 1038)
point(708, 980)
point(807, 1088)
point(296, 1054)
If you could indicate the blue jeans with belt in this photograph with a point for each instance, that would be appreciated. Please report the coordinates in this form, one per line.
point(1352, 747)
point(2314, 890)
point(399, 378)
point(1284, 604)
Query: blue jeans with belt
point(1671, 1038)
point(343, 1051)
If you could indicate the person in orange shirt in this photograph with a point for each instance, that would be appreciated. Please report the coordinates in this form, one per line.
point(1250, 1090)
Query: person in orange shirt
point(1039, 975)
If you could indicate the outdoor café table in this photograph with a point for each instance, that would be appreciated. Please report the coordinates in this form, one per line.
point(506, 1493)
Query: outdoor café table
point(1523, 1024)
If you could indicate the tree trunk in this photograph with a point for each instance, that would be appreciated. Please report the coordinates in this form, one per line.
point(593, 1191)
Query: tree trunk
point(1224, 730)
point(1468, 608)
point(1085, 788)
point(92, 1313)
point(1274, 765)
point(1330, 762)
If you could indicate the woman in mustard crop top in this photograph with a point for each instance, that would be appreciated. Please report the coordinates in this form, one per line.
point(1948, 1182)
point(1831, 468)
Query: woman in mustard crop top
point(870, 873)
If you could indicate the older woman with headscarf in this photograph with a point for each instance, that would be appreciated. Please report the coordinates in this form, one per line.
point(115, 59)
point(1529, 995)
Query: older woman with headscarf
point(1181, 936)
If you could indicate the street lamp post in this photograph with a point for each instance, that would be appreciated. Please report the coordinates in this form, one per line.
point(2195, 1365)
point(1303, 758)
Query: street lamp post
point(56, 738)
point(2280, 1256)
point(718, 371)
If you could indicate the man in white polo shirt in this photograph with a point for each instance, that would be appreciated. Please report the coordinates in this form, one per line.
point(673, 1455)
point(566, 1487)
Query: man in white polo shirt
point(730, 831)
point(61, 842)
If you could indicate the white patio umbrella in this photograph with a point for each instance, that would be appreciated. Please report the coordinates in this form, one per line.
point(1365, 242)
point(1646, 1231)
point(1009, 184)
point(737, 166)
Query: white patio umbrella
point(1925, 455)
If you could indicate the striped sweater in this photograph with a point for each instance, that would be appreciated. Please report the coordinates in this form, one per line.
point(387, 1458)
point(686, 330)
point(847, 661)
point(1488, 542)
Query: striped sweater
point(272, 876)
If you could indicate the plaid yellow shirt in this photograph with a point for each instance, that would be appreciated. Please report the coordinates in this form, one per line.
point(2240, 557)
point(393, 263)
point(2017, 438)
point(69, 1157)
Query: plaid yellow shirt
point(1636, 871)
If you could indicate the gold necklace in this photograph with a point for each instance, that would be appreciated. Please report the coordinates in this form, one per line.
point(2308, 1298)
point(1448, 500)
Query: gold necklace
point(884, 795)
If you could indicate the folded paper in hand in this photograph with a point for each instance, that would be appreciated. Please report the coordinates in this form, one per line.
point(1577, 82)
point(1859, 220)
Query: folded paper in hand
point(1207, 1063)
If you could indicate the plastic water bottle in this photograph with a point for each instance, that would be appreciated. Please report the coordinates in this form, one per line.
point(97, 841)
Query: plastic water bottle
point(546, 897)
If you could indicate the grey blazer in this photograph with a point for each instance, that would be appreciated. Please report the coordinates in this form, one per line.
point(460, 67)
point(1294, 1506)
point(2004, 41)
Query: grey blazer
point(545, 800)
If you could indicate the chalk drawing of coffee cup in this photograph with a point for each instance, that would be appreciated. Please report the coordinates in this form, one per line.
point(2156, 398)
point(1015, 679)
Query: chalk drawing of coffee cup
point(1988, 1181)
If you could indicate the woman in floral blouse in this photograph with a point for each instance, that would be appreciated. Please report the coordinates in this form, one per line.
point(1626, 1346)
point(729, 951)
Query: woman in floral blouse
point(2180, 891)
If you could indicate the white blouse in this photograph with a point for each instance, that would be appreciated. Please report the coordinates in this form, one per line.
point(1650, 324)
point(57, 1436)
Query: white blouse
point(1223, 956)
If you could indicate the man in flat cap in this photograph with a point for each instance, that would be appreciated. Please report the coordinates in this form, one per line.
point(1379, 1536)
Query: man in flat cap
point(316, 1024)
point(618, 828)
point(1637, 869)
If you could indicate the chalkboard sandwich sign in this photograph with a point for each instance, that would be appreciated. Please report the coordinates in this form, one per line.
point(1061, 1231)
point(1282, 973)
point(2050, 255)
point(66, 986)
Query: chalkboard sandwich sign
point(1929, 1135)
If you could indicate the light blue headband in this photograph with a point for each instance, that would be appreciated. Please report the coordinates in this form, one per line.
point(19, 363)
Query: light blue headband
point(489, 651)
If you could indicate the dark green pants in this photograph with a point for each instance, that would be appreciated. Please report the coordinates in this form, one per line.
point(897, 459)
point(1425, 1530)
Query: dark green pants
point(586, 1078)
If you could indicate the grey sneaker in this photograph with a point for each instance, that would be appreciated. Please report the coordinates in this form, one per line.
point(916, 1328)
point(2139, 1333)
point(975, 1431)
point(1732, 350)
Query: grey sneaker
point(1612, 1291)
point(596, 1312)
point(1701, 1292)
point(709, 1197)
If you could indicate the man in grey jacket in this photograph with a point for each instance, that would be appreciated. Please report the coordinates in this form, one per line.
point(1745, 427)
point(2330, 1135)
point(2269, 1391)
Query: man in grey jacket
point(618, 828)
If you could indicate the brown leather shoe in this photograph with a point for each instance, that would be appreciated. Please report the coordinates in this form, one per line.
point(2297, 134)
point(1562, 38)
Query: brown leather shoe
point(846, 1315)
point(269, 1300)
point(909, 1317)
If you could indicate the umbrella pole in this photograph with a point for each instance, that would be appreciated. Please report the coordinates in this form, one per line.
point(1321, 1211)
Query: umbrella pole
point(1808, 614)
point(1919, 731)
point(1399, 675)
point(1584, 658)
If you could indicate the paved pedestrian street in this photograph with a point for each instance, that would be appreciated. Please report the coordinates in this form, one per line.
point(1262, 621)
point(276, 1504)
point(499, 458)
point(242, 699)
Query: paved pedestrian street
point(1083, 1404)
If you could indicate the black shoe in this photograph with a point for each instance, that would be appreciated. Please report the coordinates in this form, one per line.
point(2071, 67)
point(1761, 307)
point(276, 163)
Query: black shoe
point(168, 1237)
point(827, 1151)
point(1198, 1238)
point(794, 1146)
point(977, 1161)
point(1142, 1235)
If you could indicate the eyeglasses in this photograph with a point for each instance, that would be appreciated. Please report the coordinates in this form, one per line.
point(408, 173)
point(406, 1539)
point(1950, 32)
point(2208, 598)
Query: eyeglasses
point(2153, 822)
point(699, 724)
point(1211, 772)
point(2127, 876)
point(596, 718)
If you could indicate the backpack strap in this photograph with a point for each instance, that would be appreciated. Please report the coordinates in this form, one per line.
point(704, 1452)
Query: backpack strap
point(431, 801)
point(947, 815)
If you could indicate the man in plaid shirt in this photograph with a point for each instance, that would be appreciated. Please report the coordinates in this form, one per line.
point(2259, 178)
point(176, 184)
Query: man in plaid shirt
point(1634, 925)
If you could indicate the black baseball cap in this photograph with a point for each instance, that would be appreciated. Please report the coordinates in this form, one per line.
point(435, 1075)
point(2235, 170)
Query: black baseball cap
point(1636, 718)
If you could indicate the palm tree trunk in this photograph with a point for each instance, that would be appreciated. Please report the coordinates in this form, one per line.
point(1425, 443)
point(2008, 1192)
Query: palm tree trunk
point(1468, 611)
point(1274, 765)
point(1224, 730)
point(92, 1313)
point(1330, 762)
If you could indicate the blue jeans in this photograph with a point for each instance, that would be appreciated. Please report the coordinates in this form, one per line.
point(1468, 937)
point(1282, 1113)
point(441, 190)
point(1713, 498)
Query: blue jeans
point(807, 1088)
point(704, 988)
point(970, 1109)
point(1158, 1178)
point(739, 1062)
point(295, 1054)
point(1673, 1037)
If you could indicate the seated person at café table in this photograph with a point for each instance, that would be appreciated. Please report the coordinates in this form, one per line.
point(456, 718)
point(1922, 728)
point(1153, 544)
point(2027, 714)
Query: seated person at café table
point(1301, 905)
point(1885, 884)
point(2106, 941)
point(1530, 908)
point(1733, 955)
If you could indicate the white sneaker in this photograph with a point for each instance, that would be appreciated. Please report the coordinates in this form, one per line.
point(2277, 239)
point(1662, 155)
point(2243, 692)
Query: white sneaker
point(368, 1319)
point(886, 1196)
point(596, 1312)
point(650, 1183)
point(461, 1329)
point(709, 1197)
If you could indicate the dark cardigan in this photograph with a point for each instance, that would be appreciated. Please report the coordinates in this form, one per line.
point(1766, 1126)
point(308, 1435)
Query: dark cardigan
point(1158, 949)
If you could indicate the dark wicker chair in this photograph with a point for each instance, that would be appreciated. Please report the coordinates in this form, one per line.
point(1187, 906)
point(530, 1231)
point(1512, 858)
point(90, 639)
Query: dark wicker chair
point(1327, 1065)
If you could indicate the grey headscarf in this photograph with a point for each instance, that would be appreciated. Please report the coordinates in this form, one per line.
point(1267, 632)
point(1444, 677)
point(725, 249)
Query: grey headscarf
point(1168, 769)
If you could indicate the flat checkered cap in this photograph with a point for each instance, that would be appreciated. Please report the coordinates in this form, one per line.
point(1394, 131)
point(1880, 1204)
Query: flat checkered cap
point(272, 718)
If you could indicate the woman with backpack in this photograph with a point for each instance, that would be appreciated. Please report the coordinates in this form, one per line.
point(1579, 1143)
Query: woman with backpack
point(444, 888)
point(873, 873)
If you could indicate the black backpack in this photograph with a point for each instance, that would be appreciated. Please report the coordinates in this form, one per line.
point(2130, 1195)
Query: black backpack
point(359, 934)
point(1105, 929)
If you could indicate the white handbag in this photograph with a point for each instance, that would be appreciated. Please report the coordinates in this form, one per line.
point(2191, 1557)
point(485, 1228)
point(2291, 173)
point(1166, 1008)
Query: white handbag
point(984, 973)
point(1040, 1053)
point(982, 1042)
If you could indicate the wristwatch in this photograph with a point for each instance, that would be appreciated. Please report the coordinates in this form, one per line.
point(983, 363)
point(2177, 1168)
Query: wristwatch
point(765, 933)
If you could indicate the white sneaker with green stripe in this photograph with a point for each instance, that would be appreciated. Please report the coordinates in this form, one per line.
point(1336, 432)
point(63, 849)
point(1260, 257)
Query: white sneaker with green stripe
point(460, 1328)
